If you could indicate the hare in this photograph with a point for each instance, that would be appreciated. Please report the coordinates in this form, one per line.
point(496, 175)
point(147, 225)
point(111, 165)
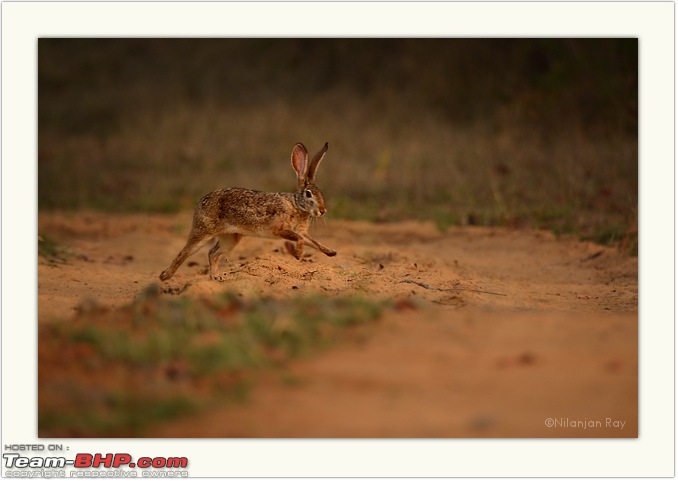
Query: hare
point(230, 214)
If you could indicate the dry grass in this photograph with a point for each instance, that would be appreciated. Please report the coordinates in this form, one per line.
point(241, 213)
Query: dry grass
point(538, 133)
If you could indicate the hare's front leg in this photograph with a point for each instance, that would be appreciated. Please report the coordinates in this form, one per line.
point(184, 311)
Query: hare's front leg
point(295, 248)
point(224, 245)
point(325, 250)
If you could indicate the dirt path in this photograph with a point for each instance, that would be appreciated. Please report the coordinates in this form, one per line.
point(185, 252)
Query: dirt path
point(513, 328)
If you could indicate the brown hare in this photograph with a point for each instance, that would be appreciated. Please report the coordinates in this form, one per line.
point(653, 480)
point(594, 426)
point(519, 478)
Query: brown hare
point(229, 214)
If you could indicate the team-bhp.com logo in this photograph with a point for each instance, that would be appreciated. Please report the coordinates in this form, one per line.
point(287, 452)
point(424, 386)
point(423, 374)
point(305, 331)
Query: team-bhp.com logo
point(125, 460)
point(98, 460)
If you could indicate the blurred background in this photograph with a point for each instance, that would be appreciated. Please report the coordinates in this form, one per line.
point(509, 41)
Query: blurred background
point(536, 133)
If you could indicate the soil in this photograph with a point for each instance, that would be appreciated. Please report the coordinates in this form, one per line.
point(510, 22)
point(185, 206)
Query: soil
point(498, 332)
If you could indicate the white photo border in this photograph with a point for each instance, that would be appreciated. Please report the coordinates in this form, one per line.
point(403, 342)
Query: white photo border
point(652, 454)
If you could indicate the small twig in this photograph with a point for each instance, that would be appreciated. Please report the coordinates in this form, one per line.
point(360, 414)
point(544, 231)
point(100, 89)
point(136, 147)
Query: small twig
point(426, 286)
point(592, 256)
point(176, 290)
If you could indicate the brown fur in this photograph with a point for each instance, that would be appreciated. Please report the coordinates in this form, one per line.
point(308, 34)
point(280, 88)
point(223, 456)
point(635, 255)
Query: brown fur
point(230, 214)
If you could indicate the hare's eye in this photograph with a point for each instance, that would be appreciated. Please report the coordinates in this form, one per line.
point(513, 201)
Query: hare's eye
point(308, 194)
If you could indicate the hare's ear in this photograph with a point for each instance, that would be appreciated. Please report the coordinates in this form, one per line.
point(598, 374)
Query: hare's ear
point(313, 166)
point(300, 162)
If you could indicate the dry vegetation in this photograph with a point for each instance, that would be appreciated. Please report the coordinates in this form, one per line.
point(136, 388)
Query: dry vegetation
point(539, 133)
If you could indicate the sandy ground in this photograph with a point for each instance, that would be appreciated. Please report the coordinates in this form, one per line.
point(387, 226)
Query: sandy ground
point(510, 331)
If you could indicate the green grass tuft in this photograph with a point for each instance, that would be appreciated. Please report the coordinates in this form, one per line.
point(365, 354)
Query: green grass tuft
point(110, 373)
point(52, 251)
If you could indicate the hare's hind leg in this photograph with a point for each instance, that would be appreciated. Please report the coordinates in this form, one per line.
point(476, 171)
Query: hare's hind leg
point(195, 242)
point(225, 243)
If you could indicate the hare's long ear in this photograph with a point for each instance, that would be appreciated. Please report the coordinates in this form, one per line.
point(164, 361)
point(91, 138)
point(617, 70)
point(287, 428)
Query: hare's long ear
point(300, 163)
point(313, 166)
